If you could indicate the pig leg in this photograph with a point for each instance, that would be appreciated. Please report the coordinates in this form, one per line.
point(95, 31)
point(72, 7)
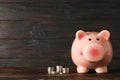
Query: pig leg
point(101, 69)
point(81, 69)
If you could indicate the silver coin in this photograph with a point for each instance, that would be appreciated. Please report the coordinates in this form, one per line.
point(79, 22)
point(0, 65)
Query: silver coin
point(50, 70)
point(59, 69)
point(65, 70)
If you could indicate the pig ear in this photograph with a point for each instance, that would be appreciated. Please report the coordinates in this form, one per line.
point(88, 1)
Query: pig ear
point(80, 34)
point(105, 34)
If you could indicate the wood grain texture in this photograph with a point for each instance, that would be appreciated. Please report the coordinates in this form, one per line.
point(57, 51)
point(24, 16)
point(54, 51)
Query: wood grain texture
point(39, 73)
point(40, 32)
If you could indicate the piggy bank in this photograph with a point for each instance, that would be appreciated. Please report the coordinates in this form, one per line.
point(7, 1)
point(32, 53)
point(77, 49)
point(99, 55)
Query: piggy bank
point(91, 50)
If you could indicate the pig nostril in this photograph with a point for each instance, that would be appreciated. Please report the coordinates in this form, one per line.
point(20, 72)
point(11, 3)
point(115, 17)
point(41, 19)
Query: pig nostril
point(81, 53)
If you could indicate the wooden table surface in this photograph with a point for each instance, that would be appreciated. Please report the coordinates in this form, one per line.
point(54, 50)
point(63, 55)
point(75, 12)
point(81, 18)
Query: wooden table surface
point(37, 74)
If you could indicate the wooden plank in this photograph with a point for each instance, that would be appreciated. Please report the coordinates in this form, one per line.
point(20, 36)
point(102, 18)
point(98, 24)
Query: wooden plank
point(36, 73)
point(91, 11)
point(35, 29)
point(47, 61)
point(33, 1)
point(42, 62)
point(20, 12)
point(23, 49)
point(28, 29)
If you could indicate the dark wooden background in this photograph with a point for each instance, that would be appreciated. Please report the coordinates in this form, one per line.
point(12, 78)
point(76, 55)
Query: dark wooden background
point(39, 33)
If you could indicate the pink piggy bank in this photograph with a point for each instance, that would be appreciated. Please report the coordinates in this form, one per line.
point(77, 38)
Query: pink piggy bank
point(91, 50)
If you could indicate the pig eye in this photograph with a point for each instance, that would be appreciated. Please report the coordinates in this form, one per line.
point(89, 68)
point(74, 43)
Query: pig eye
point(97, 39)
point(89, 39)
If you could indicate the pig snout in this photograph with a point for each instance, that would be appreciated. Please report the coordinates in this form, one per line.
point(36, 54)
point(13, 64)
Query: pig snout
point(93, 52)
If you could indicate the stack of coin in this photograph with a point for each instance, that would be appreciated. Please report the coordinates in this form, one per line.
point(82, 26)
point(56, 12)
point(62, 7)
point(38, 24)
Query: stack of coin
point(59, 70)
